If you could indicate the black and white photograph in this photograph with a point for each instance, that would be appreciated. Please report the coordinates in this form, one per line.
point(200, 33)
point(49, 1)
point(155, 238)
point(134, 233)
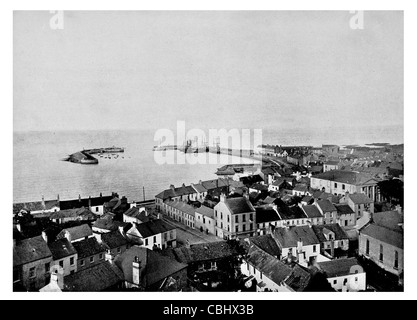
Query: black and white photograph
point(208, 151)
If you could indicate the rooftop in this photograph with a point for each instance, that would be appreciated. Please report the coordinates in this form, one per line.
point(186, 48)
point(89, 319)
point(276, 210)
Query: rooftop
point(312, 211)
point(289, 237)
point(267, 244)
point(77, 232)
point(88, 247)
point(154, 227)
point(320, 230)
point(339, 267)
point(205, 211)
point(326, 206)
point(359, 198)
point(348, 177)
point(29, 250)
point(239, 205)
point(61, 248)
point(266, 214)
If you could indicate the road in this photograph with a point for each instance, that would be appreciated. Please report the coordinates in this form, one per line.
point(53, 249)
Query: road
point(185, 233)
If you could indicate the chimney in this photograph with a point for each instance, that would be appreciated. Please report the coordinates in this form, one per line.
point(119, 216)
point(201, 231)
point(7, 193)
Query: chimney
point(108, 256)
point(299, 245)
point(98, 237)
point(101, 195)
point(136, 271)
point(89, 202)
point(188, 244)
point(57, 199)
point(122, 230)
point(332, 248)
point(399, 209)
point(222, 197)
point(58, 279)
point(45, 236)
point(172, 187)
point(79, 197)
point(43, 203)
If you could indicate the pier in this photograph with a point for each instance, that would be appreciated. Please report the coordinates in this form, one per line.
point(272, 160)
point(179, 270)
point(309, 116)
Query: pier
point(85, 156)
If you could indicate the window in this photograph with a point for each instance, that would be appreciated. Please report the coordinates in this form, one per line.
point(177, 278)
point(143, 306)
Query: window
point(146, 242)
point(334, 281)
point(396, 260)
point(244, 228)
point(61, 263)
point(228, 218)
point(215, 213)
point(381, 253)
point(82, 262)
point(165, 236)
point(346, 223)
point(154, 239)
point(204, 220)
point(335, 185)
point(251, 216)
point(356, 279)
point(119, 250)
point(91, 259)
point(47, 266)
point(221, 215)
point(236, 218)
point(243, 218)
point(72, 261)
point(343, 187)
point(32, 272)
point(101, 256)
point(96, 209)
point(314, 248)
point(237, 228)
point(172, 234)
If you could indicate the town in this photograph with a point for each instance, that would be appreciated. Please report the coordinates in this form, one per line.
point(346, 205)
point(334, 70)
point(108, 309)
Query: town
point(304, 219)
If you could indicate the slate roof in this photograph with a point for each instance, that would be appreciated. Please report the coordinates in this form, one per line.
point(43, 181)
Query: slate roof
point(73, 213)
point(259, 187)
point(359, 198)
point(77, 232)
point(343, 208)
point(205, 211)
point(107, 223)
point(312, 211)
point(83, 202)
point(134, 213)
point(294, 276)
point(293, 212)
point(385, 228)
point(88, 247)
point(61, 248)
point(199, 188)
point(239, 205)
point(34, 206)
point(175, 192)
point(301, 188)
point(100, 277)
point(338, 267)
point(339, 233)
point(202, 252)
point(267, 244)
point(288, 238)
point(326, 206)
point(153, 227)
point(29, 250)
point(348, 177)
point(114, 239)
point(154, 266)
point(182, 206)
point(249, 180)
point(266, 214)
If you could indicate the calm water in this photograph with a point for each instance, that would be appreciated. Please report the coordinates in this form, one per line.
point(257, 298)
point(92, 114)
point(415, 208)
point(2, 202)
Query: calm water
point(38, 170)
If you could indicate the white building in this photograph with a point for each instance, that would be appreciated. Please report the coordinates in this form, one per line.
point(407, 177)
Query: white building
point(153, 234)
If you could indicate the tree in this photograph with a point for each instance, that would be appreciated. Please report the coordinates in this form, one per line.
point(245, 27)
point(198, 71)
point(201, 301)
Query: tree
point(392, 190)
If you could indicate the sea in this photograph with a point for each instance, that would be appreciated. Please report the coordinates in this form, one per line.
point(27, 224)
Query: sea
point(38, 169)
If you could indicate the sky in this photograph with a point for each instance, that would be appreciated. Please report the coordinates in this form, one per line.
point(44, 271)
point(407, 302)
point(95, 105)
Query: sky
point(212, 69)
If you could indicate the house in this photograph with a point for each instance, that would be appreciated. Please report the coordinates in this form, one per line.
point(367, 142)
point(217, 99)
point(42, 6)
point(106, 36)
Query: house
point(301, 190)
point(210, 265)
point(339, 182)
point(115, 242)
point(32, 261)
point(235, 217)
point(77, 214)
point(299, 242)
point(334, 242)
point(266, 215)
point(90, 253)
point(153, 234)
point(328, 210)
point(382, 241)
point(330, 165)
point(64, 255)
point(36, 207)
point(107, 224)
point(183, 193)
point(95, 204)
point(136, 215)
point(272, 274)
point(258, 188)
point(291, 215)
point(344, 274)
point(346, 217)
point(281, 183)
point(313, 214)
point(100, 277)
point(359, 203)
point(147, 270)
point(77, 233)
point(201, 192)
point(204, 219)
point(266, 243)
point(180, 211)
